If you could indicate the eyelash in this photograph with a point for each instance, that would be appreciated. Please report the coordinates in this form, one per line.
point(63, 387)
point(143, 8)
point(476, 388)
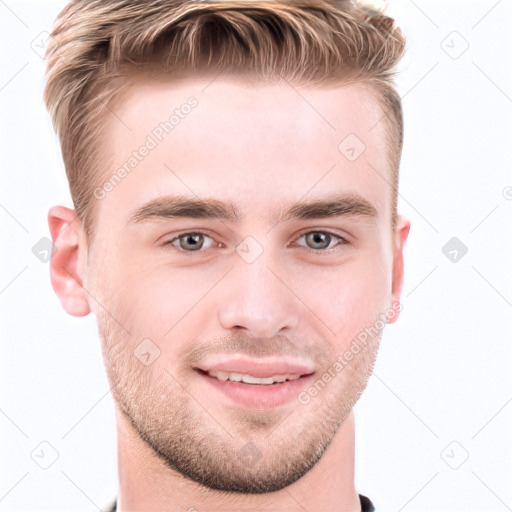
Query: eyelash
point(342, 241)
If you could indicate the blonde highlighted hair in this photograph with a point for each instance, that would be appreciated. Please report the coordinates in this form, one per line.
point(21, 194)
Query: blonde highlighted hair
point(95, 44)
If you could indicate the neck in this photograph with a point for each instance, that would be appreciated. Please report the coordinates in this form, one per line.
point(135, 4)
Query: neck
point(147, 484)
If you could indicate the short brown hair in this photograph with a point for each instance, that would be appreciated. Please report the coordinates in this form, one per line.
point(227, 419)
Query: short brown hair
point(94, 43)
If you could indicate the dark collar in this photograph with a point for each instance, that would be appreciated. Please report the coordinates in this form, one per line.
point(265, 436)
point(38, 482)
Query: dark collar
point(366, 505)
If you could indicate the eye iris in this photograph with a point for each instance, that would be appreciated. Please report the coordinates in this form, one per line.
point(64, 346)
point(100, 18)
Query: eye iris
point(317, 238)
point(195, 246)
point(195, 241)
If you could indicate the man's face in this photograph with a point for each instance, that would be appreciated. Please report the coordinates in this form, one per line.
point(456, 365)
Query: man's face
point(292, 293)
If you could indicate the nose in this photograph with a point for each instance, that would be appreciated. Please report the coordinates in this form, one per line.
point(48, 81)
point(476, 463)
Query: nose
point(257, 298)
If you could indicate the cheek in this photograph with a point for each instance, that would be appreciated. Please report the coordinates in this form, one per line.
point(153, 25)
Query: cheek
point(349, 298)
point(157, 302)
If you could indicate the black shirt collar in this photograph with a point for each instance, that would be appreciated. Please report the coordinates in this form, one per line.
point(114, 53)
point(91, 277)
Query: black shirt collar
point(366, 505)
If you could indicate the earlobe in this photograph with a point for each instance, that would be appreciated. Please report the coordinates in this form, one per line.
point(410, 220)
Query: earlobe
point(402, 232)
point(65, 268)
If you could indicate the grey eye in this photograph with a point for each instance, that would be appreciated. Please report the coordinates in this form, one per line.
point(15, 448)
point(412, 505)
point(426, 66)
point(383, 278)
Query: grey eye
point(319, 239)
point(190, 242)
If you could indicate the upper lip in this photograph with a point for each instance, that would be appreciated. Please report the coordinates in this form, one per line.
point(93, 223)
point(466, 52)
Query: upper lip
point(261, 368)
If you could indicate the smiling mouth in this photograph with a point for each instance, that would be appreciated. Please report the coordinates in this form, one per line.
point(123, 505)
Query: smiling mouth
point(244, 378)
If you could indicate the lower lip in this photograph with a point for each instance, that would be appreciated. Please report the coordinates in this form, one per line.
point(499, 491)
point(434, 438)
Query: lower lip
point(259, 395)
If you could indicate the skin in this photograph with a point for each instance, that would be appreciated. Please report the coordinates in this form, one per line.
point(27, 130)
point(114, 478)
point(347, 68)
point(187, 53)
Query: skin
point(260, 147)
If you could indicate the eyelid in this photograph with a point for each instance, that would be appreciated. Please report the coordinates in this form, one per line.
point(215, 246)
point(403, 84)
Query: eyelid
point(343, 240)
point(327, 231)
point(177, 236)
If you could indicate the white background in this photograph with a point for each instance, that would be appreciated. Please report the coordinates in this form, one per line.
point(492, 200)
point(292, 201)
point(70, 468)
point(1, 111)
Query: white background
point(442, 389)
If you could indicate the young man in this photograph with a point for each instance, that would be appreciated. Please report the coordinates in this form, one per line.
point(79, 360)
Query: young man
point(234, 172)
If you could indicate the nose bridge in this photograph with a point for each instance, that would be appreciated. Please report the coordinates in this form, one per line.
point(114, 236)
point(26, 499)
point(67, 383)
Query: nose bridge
point(255, 296)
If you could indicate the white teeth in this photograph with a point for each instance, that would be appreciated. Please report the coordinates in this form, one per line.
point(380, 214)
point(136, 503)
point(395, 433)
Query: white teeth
point(249, 379)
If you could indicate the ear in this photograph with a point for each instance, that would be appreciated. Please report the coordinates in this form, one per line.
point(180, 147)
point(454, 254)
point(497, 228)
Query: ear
point(401, 233)
point(66, 272)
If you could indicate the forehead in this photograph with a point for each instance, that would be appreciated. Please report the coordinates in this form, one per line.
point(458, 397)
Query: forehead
point(262, 144)
point(232, 98)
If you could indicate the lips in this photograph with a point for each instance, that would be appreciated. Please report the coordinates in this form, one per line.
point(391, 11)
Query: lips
point(255, 383)
point(253, 395)
point(262, 368)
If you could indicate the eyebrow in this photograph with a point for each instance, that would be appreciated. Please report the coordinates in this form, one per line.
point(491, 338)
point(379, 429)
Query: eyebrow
point(176, 206)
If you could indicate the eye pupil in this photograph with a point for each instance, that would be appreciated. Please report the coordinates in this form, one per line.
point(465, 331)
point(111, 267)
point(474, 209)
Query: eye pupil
point(319, 238)
point(195, 246)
